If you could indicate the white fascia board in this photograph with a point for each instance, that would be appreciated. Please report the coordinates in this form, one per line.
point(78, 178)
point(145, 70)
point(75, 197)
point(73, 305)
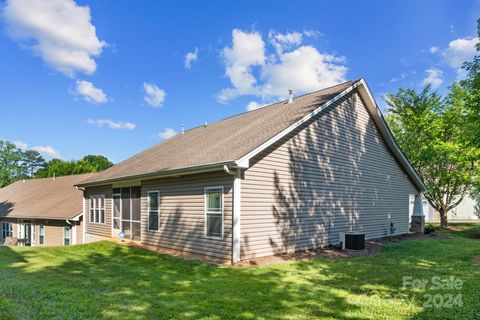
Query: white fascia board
point(77, 217)
point(377, 117)
point(379, 120)
point(246, 158)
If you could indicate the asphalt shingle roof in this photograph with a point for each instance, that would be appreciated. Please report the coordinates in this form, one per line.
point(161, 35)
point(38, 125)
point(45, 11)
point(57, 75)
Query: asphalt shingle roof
point(222, 141)
point(43, 198)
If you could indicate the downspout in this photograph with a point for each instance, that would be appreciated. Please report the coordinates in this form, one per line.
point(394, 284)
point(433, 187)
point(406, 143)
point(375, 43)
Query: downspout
point(84, 227)
point(237, 184)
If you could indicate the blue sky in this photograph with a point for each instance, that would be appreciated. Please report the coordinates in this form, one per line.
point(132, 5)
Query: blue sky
point(86, 77)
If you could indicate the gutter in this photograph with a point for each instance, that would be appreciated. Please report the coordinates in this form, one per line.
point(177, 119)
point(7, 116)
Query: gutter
point(162, 174)
point(39, 217)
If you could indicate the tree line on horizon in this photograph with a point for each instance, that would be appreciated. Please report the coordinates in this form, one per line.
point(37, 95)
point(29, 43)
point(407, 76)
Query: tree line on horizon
point(17, 164)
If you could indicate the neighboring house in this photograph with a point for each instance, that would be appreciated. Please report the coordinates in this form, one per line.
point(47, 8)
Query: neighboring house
point(465, 211)
point(43, 212)
point(283, 178)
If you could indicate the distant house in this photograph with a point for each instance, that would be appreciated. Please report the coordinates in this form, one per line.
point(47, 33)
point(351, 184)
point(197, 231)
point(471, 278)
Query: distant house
point(287, 177)
point(42, 212)
point(464, 212)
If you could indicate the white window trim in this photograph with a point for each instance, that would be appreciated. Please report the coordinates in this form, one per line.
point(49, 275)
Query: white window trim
point(205, 212)
point(33, 235)
point(69, 235)
point(158, 210)
point(96, 200)
point(40, 234)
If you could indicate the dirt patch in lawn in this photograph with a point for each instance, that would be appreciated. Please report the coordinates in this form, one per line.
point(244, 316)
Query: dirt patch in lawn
point(477, 261)
point(372, 247)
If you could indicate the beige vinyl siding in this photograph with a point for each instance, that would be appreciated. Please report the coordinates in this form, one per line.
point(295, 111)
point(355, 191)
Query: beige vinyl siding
point(79, 227)
point(333, 174)
point(99, 229)
point(182, 212)
point(53, 231)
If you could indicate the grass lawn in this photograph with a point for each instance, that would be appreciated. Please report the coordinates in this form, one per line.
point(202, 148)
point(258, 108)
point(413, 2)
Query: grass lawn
point(110, 281)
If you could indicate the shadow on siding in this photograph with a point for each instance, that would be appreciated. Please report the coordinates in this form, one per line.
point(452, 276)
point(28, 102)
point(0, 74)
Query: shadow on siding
point(333, 178)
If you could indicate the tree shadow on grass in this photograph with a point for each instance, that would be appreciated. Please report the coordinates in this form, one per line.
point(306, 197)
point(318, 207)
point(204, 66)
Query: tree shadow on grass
point(105, 280)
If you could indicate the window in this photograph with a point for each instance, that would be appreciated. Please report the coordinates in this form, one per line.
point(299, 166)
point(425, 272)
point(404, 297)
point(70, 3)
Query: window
point(153, 210)
point(66, 235)
point(214, 212)
point(92, 209)
point(41, 234)
point(7, 230)
point(97, 208)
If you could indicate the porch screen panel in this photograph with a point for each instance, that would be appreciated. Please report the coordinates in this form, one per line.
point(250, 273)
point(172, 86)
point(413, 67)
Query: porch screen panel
point(136, 227)
point(126, 204)
point(135, 196)
point(127, 229)
point(116, 211)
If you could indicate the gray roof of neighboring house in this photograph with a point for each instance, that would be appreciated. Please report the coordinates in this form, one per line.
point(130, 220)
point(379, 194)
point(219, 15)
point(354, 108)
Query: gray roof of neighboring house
point(43, 198)
point(222, 141)
point(233, 139)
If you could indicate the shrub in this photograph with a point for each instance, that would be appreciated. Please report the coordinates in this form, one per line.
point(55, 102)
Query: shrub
point(429, 229)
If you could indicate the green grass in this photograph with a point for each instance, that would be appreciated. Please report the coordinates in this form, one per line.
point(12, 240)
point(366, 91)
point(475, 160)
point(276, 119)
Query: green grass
point(110, 281)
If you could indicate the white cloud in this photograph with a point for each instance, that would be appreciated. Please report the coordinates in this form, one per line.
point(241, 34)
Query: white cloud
point(112, 124)
point(301, 68)
point(248, 50)
point(21, 145)
point(282, 41)
point(59, 31)
point(312, 33)
point(401, 77)
point(459, 51)
point(48, 151)
point(434, 78)
point(253, 105)
point(433, 50)
point(90, 93)
point(190, 58)
point(154, 96)
point(167, 133)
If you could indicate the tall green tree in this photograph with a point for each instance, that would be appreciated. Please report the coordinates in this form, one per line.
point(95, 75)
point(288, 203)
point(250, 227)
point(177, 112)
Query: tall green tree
point(57, 167)
point(10, 167)
point(470, 88)
point(31, 162)
point(99, 162)
point(432, 133)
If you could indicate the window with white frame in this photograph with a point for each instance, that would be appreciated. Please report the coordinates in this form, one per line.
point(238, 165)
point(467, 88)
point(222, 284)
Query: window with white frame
point(214, 212)
point(7, 230)
point(153, 210)
point(66, 235)
point(41, 234)
point(97, 208)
